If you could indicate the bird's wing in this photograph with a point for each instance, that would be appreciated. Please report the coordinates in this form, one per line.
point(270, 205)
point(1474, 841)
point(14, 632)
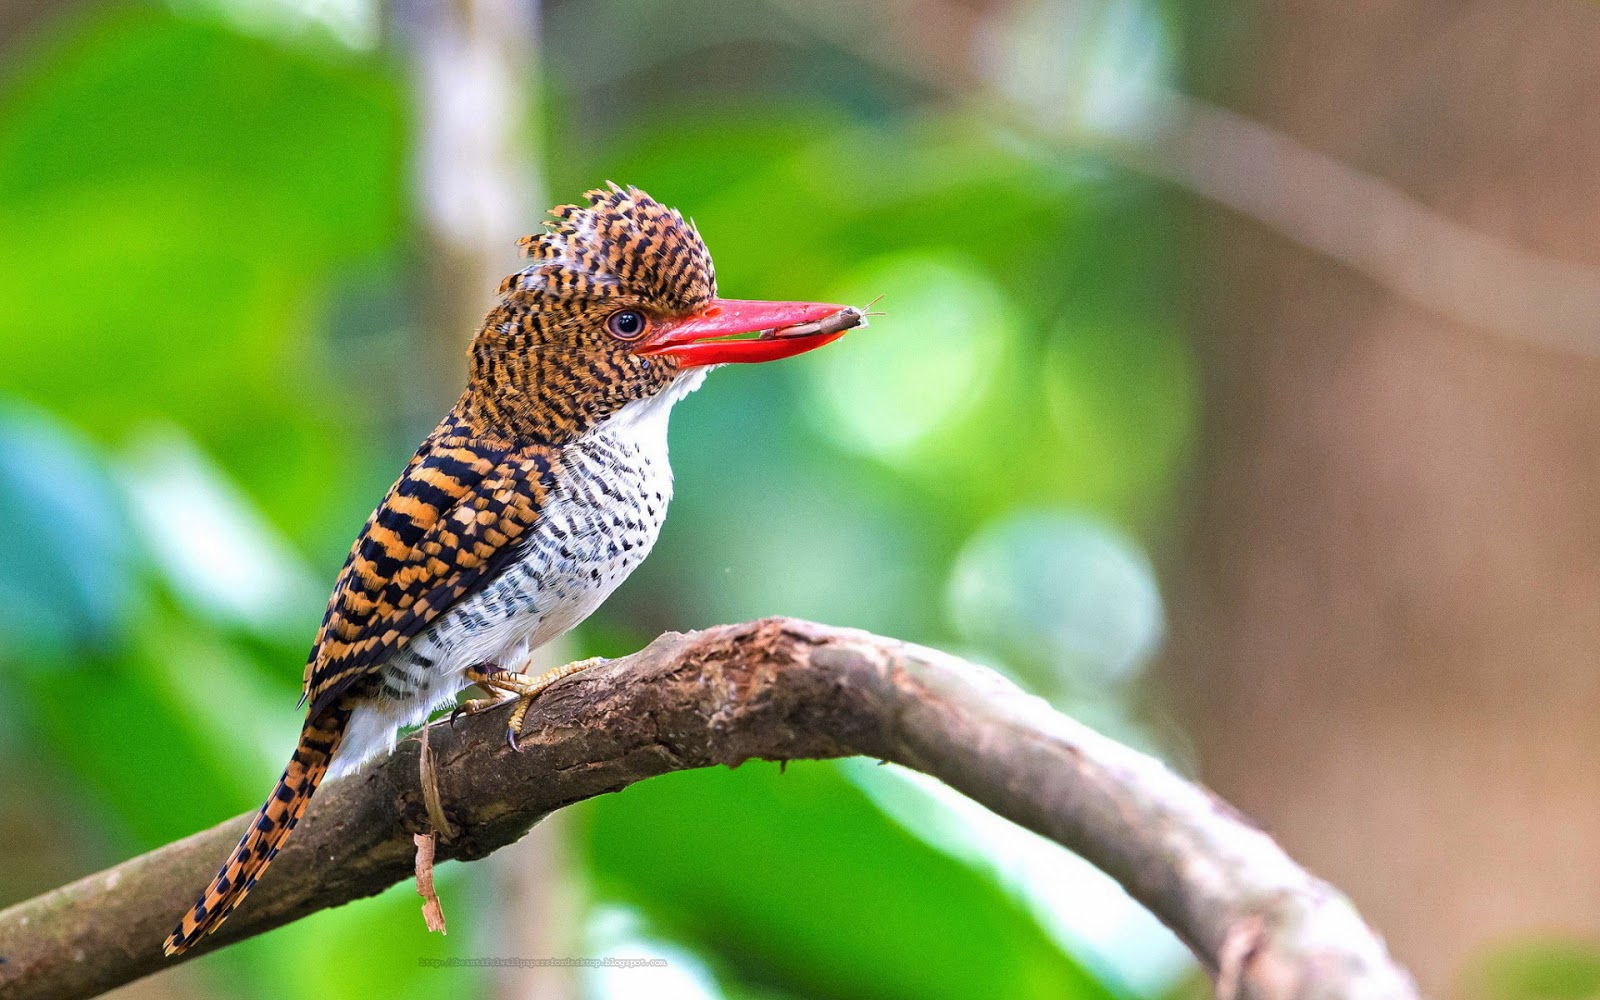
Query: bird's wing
point(445, 529)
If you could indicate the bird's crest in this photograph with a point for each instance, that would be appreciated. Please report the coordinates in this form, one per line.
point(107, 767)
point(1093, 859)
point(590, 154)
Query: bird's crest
point(622, 242)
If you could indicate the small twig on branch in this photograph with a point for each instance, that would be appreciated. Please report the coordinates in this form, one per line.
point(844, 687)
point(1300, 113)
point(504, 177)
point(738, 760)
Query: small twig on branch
point(432, 912)
point(777, 689)
point(428, 779)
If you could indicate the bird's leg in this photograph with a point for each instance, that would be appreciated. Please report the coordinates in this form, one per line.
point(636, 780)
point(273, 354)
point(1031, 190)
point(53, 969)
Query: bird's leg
point(480, 674)
point(509, 684)
point(536, 685)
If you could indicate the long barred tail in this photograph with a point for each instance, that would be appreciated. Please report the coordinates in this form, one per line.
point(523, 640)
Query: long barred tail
point(259, 845)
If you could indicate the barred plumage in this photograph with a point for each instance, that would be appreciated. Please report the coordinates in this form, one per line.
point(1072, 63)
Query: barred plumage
point(531, 501)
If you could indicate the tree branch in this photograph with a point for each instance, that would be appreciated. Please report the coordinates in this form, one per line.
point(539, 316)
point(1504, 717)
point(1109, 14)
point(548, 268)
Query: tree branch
point(777, 689)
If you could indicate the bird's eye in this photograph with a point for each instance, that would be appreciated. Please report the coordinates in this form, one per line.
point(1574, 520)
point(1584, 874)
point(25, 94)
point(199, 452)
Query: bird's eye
point(627, 324)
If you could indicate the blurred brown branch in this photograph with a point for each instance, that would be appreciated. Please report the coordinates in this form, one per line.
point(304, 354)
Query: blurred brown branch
point(1455, 271)
point(777, 689)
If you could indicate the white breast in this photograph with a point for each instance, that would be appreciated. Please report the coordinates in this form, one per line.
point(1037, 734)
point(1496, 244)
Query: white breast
point(598, 525)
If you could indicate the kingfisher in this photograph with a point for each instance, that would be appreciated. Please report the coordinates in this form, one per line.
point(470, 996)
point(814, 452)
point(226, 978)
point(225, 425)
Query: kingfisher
point(532, 500)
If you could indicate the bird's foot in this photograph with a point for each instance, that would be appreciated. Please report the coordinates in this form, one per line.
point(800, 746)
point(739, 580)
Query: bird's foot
point(472, 707)
point(508, 684)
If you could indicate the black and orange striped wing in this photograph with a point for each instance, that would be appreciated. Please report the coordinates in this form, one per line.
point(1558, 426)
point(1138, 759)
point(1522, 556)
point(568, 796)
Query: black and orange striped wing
point(446, 528)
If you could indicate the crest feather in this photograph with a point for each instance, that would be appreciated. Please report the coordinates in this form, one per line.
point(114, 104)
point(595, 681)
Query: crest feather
point(620, 242)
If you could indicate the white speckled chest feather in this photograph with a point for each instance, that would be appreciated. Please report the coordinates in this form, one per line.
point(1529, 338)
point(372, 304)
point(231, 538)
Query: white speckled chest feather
point(612, 498)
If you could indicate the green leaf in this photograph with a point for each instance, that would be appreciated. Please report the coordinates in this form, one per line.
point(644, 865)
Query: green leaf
point(172, 197)
point(69, 579)
point(795, 882)
point(1553, 969)
point(138, 94)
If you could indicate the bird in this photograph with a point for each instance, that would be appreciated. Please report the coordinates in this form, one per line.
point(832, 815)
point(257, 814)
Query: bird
point(536, 495)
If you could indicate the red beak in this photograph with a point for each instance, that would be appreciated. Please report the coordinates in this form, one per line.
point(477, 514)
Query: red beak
point(780, 329)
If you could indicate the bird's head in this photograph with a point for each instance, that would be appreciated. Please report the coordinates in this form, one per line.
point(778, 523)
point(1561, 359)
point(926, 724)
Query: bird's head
point(618, 304)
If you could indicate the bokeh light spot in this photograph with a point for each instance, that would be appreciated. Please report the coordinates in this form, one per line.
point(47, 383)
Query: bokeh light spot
point(1064, 599)
point(924, 363)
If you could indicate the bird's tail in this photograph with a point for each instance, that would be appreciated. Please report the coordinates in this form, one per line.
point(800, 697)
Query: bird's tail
point(318, 741)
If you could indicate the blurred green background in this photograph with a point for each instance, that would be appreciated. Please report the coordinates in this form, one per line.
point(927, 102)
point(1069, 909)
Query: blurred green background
point(239, 259)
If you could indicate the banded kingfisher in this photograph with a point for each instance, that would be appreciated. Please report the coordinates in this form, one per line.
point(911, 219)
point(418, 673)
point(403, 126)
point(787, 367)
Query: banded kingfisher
point(532, 500)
